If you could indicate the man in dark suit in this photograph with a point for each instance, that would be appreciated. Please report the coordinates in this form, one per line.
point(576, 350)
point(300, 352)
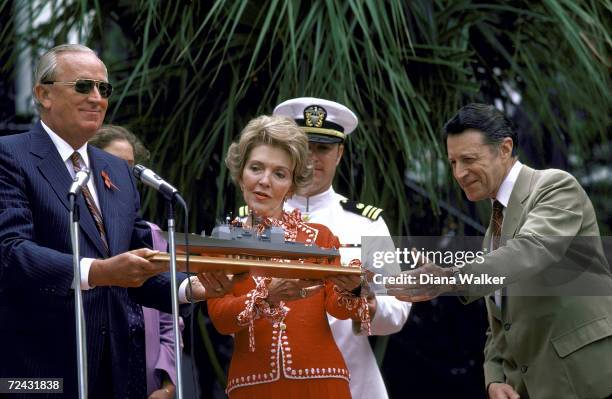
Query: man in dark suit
point(550, 319)
point(37, 324)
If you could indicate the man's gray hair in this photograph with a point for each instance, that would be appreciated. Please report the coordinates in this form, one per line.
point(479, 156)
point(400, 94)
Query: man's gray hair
point(47, 64)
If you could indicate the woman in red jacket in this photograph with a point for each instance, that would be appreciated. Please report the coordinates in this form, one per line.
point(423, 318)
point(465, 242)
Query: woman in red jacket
point(283, 344)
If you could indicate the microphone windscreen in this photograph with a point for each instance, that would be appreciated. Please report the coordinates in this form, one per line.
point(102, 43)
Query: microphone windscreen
point(137, 170)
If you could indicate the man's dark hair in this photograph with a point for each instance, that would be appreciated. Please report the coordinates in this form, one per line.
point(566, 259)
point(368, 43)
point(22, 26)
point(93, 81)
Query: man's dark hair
point(487, 119)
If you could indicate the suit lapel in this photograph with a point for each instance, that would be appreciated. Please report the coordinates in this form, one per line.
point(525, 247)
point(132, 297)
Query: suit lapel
point(486, 243)
point(520, 192)
point(99, 165)
point(51, 166)
point(54, 171)
point(492, 308)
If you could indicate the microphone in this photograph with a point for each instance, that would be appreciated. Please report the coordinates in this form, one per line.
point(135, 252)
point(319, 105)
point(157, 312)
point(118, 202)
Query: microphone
point(148, 177)
point(80, 180)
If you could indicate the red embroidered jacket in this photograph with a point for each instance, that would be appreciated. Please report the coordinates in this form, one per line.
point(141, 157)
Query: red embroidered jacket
point(297, 343)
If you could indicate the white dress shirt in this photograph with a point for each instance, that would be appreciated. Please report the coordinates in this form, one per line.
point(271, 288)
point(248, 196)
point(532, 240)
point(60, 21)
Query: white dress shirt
point(503, 196)
point(65, 151)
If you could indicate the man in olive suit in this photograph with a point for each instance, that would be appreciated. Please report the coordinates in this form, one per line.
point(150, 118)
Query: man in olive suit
point(550, 321)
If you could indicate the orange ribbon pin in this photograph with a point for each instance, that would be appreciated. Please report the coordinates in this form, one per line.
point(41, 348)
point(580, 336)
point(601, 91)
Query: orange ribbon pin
point(107, 181)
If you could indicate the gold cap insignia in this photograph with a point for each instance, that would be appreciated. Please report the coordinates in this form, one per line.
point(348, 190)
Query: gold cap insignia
point(314, 116)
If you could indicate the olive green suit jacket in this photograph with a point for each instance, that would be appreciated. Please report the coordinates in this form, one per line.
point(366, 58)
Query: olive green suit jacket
point(552, 336)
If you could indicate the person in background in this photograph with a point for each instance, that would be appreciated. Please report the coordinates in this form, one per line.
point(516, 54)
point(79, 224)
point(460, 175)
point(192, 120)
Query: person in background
point(328, 124)
point(283, 344)
point(159, 332)
point(122, 143)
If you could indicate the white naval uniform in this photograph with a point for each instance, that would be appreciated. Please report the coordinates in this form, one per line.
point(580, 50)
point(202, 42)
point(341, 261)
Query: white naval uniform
point(391, 314)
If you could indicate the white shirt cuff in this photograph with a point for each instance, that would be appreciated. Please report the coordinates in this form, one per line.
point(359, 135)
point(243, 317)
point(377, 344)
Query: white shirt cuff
point(182, 291)
point(85, 266)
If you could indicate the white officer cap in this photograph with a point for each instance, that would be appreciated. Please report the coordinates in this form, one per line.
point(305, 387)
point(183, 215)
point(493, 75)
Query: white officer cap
point(325, 121)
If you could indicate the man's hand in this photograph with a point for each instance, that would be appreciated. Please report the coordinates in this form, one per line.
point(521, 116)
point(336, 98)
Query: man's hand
point(413, 291)
point(284, 289)
point(129, 269)
point(498, 390)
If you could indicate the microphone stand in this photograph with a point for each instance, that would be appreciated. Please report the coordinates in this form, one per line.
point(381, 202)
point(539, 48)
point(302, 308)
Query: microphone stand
point(174, 292)
point(171, 195)
point(81, 342)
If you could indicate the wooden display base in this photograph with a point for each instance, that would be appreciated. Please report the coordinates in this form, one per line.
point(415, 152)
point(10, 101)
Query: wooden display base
point(265, 268)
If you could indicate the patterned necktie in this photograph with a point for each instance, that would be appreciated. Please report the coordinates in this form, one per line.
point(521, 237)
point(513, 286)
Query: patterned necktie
point(91, 204)
point(497, 219)
point(136, 387)
point(496, 223)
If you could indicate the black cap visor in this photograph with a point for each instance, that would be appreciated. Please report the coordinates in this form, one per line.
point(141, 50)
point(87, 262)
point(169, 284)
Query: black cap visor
point(324, 138)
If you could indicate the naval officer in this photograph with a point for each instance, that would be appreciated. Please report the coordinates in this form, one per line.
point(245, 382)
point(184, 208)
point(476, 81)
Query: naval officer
point(328, 124)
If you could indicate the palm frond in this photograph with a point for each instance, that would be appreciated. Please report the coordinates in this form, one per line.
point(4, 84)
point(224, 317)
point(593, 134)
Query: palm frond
point(189, 75)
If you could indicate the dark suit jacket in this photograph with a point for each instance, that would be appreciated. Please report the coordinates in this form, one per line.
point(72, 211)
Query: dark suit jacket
point(37, 324)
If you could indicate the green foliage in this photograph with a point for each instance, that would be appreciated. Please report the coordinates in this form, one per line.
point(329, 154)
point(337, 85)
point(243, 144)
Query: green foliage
point(190, 74)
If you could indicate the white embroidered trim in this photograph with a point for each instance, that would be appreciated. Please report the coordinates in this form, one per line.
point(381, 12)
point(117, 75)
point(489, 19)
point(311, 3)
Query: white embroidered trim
point(281, 358)
point(280, 350)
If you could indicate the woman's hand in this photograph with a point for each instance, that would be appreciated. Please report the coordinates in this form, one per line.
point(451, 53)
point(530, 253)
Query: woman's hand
point(347, 283)
point(212, 285)
point(162, 394)
point(281, 289)
point(167, 390)
point(216, 284)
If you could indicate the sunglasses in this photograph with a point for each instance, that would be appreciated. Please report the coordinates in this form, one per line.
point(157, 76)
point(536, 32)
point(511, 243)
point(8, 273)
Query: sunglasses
point(85, 86)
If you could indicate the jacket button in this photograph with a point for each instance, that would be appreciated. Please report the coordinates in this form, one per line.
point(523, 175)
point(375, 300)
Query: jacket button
point(507, 326)
point(523, 369)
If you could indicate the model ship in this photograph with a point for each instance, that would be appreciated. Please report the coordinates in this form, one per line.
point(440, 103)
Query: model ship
point(237, 239)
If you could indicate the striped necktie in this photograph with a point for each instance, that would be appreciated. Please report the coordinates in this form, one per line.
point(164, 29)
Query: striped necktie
point(91, 205)
point(497, 220)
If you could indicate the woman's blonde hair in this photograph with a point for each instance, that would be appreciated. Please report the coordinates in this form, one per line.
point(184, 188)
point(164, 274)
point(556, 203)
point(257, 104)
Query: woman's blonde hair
point(277, 132)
